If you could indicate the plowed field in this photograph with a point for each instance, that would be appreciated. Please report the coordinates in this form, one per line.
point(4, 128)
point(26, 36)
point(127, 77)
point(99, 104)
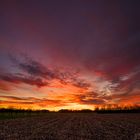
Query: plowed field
point(72, 126)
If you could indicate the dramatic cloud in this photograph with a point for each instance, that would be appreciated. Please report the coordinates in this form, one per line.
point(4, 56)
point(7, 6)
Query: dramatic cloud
point(77, 53)
point(34, 73)
point(36, 69)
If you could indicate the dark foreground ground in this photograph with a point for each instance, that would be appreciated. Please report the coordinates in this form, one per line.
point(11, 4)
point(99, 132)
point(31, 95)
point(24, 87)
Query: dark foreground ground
point(72, 126)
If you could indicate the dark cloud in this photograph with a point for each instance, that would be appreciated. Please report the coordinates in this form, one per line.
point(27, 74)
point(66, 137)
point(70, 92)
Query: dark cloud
point(95, 101)
point(91, 98)
point(127, 83)
point(35, 69)
point(13, 78)
point(34, 73)
point(32, 67)
point(81, 83)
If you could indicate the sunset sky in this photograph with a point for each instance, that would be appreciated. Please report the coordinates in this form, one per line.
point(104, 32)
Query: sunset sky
point(70, 54)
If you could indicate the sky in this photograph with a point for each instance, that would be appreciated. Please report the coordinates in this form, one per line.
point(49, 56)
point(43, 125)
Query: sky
point(74, 54)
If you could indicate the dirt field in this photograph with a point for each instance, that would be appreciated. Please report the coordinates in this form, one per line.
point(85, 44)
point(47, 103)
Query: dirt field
point(70, 126)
